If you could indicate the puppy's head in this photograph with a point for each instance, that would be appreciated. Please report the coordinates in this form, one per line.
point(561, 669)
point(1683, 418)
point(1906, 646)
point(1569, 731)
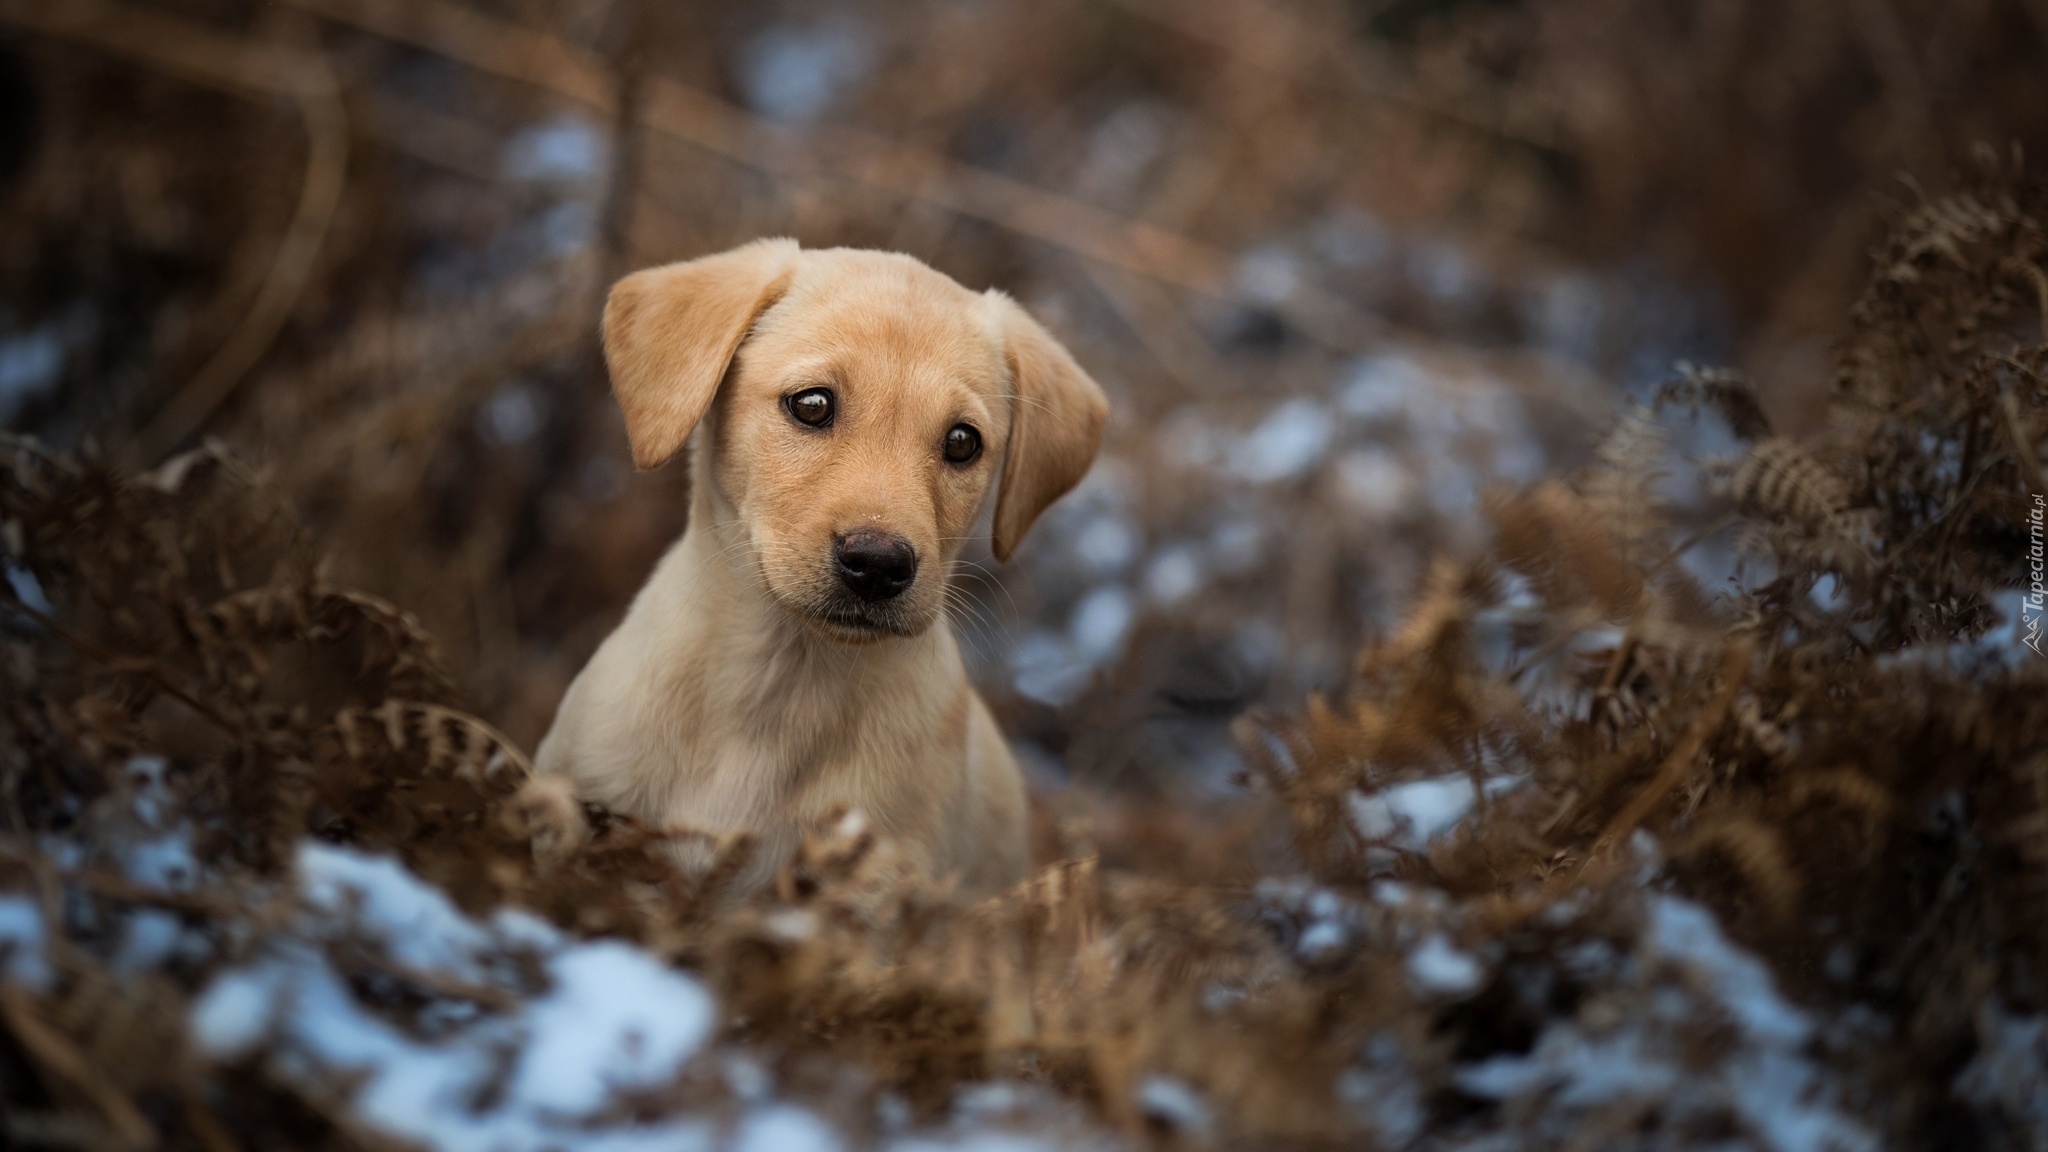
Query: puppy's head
point(858, 406)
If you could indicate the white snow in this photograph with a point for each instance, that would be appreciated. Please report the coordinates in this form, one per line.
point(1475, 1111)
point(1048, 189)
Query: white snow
point(1383, 387)
point(784, 1128)
point(1269, 275)
point(1685, 933)
point(1122, 147)
point(566, 147)
point(613, 1019)
point(1045, 667)
point(1173, 1102)
point(1412, 814)
point(149, 776)
point(1438, 967)
point(1766, 1081)
point(1384, 1093)
point(234, 1014)
point(21, 943)
point(617, 1019)
point(2010, 1069)
point(381, 900)
point(149, 936)
point(1174, 574)
point(794, 73)
point(747, 1079)
point(976, 1142)
point(1236, 545)
point(511, 416)
point(1100, 621)
point(1107, 544)
point(31, 364)
point(165, 863)
point(1322, 938)
point(27, 588)
point(1291, 440)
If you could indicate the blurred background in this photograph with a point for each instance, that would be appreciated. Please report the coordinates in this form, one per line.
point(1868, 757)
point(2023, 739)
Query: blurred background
point(1338, 263)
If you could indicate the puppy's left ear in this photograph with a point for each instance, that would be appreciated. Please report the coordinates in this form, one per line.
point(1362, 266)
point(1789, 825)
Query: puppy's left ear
point(1056, 418)
point(671, 332)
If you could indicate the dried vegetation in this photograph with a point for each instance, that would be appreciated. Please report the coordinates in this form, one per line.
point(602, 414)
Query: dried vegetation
point(1579, 853)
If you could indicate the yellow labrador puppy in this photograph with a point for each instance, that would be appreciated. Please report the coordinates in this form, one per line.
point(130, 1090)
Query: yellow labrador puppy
point(847, 413)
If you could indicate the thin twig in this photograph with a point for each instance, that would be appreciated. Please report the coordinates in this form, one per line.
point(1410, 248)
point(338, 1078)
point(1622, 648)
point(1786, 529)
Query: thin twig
point(2022, 449)
point(914, 173)
point(327, 145)
point(185, 50)
point(1734, 664)
point(56, 1055)
point(114, 660)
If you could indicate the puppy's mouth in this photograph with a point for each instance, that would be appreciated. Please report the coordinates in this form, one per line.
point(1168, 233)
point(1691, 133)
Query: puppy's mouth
point(851, 621)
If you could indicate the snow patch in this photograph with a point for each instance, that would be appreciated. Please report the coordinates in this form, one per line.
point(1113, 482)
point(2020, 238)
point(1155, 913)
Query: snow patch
point(614, 1019)
point(21, 943)
point(1439, 968)
point(793, 74)
point(618, 1019)
point(784, 1128)
point(1291, 440)
point(566, 147)
point(1412, 814)
point(1766, 1084)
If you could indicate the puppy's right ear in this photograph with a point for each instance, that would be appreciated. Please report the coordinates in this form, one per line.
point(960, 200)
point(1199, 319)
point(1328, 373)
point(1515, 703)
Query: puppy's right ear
point(671, 332)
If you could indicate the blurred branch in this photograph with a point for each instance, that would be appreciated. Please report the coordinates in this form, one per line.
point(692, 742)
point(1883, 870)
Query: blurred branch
point(242, 67)
point(1734, 668)
point(667, 106)
point(629, 66)
point(1160, 328)
point(1887, 45)
point(60, 1059)
point(326, 125)
point(175, 46)
point(689, 115)
point(1275, 42)
point(246, 68)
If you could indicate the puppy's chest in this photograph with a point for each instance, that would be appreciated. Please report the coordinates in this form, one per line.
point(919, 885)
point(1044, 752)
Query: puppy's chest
point(758, 752)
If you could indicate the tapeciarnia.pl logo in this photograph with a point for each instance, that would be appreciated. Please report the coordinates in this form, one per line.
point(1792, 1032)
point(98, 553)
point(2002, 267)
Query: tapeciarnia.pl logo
point(2037, 585)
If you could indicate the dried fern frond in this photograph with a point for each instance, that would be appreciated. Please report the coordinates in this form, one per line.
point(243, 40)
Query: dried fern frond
point(1847, 789)
point(1620, 488)
point(1567, 548)
point(1779, 479)
point(1756, 852)
point(1726, 390)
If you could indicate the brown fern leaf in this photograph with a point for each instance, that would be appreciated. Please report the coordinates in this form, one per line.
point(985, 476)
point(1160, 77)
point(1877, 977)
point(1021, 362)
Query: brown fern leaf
point(1939, 229)
point(1725, 390)
point(1756, 852)
point(1620, 488)
point(455, 742)
point(1564, 545)
point(1778, 480)
point(1847, 789)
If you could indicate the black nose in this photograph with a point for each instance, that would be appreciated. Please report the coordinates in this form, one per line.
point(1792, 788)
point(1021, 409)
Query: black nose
point(875, 565)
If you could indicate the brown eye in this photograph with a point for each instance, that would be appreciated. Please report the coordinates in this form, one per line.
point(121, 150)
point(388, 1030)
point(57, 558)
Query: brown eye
point(963, 444)
point(811, 407)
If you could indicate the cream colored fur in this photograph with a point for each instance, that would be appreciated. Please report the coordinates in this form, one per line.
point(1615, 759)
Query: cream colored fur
point(736, 695)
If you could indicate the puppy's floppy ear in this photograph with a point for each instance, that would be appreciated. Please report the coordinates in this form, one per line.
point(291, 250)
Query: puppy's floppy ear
point(1056, 419)
point(671, 332)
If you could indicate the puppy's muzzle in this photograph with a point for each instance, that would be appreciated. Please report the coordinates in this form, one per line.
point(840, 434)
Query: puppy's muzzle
point(875, 565)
